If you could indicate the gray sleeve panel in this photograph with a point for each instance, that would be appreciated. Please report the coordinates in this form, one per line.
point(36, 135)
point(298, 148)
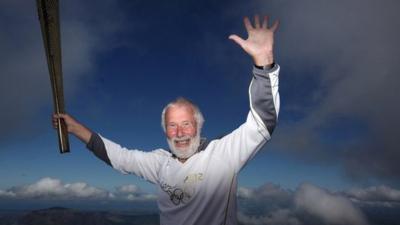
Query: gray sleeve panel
point(96, 145)
point(262, 98)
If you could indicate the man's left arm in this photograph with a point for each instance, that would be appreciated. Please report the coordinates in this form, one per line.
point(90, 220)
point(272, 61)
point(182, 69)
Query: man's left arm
point(264, 98)
point(238, 147)
point(263, 91)
point(244, 142)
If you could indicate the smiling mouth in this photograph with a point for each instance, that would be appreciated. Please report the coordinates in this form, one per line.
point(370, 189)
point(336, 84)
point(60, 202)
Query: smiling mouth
point(182, 142)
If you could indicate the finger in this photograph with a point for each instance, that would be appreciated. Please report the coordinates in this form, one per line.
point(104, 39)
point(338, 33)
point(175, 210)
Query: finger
point(55, 124)
point(55, 118)
point(257, 21)
point(275, 26)
point(58, 115)
point(247, 24)
point(237, 39)
point(265, 22)
point(61, 116)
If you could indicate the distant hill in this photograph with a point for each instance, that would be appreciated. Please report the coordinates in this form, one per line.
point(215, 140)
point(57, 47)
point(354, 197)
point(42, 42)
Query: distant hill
point(65, 216)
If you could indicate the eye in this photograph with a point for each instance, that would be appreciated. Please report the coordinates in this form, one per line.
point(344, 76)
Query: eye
point(171, 126)
point(186, 124)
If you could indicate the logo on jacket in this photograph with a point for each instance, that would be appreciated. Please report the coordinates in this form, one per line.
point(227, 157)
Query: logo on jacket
point(182, 195)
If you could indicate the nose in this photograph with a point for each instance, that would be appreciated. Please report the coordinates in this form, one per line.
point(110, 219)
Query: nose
point(179, 132)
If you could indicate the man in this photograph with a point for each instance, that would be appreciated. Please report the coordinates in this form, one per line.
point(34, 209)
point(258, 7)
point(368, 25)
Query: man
point(197, 180)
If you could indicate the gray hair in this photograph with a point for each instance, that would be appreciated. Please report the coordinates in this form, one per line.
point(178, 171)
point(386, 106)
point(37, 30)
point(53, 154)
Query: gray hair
point(198, 116)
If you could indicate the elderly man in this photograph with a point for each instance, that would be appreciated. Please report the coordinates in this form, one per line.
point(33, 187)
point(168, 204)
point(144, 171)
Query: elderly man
point(196, 179)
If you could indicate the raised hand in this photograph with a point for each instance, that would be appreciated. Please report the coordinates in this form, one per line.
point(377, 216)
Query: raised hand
point(73, 127)
point(260, 41)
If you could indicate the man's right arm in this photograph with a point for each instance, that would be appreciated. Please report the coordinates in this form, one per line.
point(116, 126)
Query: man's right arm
point(141, 163)
point(92, 140)
point(145, 164)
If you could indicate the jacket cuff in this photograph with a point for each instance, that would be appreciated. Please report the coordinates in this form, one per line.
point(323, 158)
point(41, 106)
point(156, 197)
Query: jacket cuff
point(265, 70)
point(96, 145)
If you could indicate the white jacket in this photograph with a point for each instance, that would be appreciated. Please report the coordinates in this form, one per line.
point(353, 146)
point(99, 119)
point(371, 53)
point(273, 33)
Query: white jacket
point(203, 189)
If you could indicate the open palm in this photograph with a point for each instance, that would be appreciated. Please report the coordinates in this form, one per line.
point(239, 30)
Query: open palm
point(260, 40)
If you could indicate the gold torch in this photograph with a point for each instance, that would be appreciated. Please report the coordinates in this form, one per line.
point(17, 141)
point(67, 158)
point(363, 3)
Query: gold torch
point(50, 25)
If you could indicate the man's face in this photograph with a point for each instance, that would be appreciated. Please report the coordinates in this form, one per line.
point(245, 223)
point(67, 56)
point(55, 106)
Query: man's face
point(181, 130)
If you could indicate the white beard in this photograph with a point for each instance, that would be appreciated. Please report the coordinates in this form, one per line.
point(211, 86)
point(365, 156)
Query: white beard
point(185, 153)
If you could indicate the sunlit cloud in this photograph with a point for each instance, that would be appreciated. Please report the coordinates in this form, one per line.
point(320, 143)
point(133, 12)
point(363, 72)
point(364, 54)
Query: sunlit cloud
point(49, 188)
point(377, 195)
point(330, 208)
point(132, 192)
point(267, 204)
point(308, 205)
point(6, 194)
point(278, 217)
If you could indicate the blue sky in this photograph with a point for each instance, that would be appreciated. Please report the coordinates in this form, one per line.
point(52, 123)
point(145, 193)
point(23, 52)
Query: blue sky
point(124, 60)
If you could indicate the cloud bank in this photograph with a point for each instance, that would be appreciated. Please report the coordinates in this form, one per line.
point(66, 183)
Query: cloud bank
point(330, 208)
point(310, 204)
point(267, 204)
point(49, 188)
point(377, 195)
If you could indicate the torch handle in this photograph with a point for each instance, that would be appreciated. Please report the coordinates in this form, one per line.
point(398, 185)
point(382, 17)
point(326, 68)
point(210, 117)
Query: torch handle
point(63, 140)
point(58, 98)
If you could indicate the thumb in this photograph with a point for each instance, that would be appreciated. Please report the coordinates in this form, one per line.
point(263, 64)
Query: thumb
point(237, 39)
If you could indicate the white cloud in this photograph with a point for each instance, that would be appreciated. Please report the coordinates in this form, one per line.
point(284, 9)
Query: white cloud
point(278, 217)
point(149, 197)
point(332, 209)
point(142, 197)
point(267, 192)
point(49, 188)
point(6, 194)
point(130, 188)
point(245, 192)
point(83, 190)
point(377, 195)
point(308, 204)
point(132, 192)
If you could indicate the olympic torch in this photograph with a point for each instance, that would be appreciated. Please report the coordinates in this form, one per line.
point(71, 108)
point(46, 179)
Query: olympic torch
point(50, 25)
